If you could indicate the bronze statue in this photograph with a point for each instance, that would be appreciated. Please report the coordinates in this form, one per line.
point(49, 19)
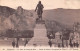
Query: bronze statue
point(39, 9)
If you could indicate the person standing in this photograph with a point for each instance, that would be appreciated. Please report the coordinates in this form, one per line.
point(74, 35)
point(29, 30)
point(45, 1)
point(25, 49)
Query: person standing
point(50, 43)
point(25, 43)
point(66, 37)
point(17, 44)
point(58, 37)
point(13, 44)
point(76, 39)
point(71, 39)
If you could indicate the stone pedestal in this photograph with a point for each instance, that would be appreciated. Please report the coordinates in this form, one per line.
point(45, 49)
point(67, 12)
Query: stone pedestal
point(40, 36)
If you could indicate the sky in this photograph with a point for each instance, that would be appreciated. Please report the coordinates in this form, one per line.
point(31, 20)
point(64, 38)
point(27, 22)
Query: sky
point(48, 4)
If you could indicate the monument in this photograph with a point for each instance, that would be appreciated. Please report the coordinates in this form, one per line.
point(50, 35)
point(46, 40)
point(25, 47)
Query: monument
point(40, 33)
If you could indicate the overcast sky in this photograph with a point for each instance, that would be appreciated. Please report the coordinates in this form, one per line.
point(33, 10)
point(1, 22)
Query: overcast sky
point(48, 4)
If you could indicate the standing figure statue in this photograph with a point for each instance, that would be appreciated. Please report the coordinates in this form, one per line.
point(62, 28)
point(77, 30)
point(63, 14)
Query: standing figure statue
point(39, 9)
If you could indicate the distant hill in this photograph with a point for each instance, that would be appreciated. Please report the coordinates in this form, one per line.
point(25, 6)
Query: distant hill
point(64, 16)
point(19, 18)
point(6, 11)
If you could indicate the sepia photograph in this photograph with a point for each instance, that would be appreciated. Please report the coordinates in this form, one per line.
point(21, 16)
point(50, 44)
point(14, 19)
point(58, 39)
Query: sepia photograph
point(39, 25)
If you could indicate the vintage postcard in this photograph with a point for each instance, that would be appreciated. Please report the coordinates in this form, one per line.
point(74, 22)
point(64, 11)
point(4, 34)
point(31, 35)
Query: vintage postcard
point(39, 25)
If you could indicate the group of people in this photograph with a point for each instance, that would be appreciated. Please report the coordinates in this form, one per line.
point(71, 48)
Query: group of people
point(74, 39)
point(16, 43)
point(65, 39)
